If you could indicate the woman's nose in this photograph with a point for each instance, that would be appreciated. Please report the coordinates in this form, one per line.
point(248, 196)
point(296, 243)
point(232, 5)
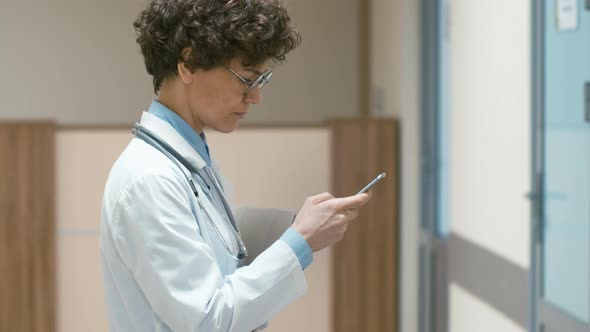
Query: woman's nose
point(254, 96)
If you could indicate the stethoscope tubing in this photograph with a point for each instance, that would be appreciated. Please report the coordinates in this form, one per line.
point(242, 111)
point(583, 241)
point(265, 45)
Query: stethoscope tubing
point(158, 143)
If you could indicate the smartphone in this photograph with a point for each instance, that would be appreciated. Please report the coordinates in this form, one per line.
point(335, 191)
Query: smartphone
point(372, 183)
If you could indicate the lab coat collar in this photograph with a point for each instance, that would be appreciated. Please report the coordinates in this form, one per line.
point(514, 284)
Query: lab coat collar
point(173, 138)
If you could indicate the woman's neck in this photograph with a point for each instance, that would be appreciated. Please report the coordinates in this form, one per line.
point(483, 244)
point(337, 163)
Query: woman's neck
point(173, 95)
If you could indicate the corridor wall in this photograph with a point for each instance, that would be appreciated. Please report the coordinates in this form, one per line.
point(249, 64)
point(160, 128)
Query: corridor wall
point(489, 162)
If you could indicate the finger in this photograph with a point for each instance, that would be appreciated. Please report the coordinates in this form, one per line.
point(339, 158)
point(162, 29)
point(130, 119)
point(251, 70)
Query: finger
point(346, 203)
point(320, 198)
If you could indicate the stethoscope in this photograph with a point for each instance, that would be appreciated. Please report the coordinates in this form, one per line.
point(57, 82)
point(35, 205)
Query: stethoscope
point(204, 173)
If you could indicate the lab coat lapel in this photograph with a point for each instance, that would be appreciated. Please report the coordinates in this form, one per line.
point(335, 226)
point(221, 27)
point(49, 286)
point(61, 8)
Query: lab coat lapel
point(173, 138)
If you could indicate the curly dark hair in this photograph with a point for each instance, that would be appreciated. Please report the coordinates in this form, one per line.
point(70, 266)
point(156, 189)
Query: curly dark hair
point(216, 31)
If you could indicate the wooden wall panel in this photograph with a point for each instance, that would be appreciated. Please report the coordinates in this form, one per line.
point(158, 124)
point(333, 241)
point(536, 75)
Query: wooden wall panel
point(27, 227)
point(365, 264)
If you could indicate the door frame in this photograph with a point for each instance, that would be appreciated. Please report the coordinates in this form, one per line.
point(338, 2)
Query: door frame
point(433, 262)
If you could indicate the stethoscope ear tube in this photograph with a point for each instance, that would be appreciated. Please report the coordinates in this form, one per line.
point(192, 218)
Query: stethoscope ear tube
point(153, 140)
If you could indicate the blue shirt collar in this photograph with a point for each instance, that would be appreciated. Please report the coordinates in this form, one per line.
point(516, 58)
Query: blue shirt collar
point(198, 142)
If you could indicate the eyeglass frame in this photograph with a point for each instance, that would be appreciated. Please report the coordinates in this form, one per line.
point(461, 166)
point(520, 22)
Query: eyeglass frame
point(260, 80)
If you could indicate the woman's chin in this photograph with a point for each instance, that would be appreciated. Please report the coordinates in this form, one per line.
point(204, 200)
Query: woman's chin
point(227, 128)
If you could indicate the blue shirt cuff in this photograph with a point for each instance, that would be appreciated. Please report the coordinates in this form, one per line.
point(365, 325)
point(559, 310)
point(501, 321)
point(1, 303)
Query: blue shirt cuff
point(300, 247)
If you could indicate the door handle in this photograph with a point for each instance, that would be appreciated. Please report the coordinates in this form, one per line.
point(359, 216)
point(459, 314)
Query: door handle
point(587, 100)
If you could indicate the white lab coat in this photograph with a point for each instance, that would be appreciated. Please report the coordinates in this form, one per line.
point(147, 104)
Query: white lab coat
point(164, 266)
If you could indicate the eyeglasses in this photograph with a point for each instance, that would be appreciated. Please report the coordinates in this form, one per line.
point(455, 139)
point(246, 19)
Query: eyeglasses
point(259, 81)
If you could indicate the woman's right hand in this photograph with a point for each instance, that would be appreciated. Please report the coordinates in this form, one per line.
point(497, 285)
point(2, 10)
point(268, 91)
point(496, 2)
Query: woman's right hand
point(323, 219)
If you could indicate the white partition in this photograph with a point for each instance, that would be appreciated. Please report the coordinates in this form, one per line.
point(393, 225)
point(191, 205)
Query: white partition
point(471, 314)
point(83, 160)
point(266, 167)
point(490, 125)
point(490, 158)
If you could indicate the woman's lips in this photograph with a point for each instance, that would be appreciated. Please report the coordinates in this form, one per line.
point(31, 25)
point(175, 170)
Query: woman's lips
point(240, 115)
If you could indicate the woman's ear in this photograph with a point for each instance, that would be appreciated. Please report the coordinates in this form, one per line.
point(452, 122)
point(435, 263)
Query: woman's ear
point(186, 75)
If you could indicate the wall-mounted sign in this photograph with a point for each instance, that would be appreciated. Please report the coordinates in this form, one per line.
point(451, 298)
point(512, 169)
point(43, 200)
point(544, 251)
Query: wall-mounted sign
point(567, 15)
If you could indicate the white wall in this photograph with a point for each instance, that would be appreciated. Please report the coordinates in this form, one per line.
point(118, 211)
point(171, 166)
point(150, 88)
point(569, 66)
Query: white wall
point(77, 61)
point(490, 125)
point(386, 55)
point(395, 86)
point(490, 140)
point(469, 313)
point(268, 168)
point(320, 79)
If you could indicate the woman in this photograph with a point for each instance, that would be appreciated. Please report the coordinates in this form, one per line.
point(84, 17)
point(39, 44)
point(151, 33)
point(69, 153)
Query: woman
point(173, 258)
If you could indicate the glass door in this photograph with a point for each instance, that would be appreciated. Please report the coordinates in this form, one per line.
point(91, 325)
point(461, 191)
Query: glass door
point(562, 262)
